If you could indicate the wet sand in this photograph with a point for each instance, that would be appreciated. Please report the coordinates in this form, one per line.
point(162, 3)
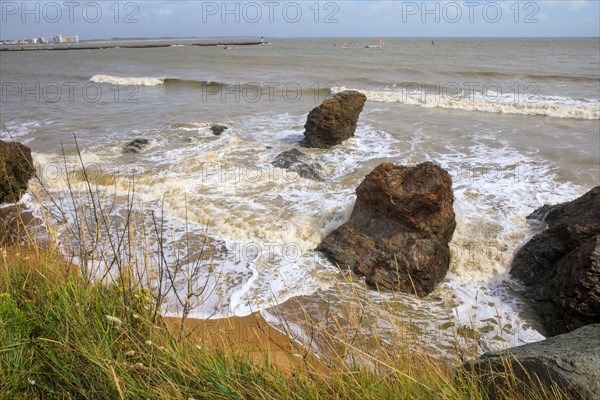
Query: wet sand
point(250, 335)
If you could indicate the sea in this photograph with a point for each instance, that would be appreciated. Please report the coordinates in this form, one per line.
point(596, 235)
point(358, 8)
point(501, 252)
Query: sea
point(514, 121)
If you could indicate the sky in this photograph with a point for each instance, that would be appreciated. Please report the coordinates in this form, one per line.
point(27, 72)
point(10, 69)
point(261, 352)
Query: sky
point(252, 19)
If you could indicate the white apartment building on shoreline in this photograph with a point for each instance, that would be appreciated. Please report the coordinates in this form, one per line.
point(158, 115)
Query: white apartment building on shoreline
point(56, 39)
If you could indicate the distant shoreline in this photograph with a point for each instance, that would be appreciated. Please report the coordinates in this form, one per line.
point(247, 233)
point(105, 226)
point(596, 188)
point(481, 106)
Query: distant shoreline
point(126, 44)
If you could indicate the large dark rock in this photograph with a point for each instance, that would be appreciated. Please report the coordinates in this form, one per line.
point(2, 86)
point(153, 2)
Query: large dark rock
point(135, 146)
point(570, 361)
point(218, 129)
point(16, 168)
point(333, 121)
point(398, 233)
point(560, 266)
point(295, 161)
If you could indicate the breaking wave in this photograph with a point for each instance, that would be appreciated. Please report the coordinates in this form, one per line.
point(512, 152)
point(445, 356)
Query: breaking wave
point(508, 103)
point(149, 81)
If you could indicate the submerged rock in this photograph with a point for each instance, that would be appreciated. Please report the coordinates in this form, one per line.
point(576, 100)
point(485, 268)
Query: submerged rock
point(333, 121)
point(218, 129)
point(294, 160)
point(570, 361)
point(16, 168)
point(560, 266)
point(135, 146)
point(398, 233)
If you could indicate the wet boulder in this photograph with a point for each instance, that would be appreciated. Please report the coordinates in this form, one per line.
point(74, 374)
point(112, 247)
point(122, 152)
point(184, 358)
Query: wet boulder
point(398, 234)
point(560, 266)
point(16, 168)
point(295, 161)
point(333, 121)
point(218, 129)
point(135, 146)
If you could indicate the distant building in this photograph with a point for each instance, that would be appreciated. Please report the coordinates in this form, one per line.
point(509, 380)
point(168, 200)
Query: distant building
point(58, 39)
point(70, 39)
point(45, 40)
point(65, 39)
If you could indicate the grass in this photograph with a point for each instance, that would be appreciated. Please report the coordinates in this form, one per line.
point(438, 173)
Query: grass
point(94, 330)
point(64, 339)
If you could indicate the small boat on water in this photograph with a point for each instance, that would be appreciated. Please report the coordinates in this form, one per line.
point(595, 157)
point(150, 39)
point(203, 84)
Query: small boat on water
point(376, 46)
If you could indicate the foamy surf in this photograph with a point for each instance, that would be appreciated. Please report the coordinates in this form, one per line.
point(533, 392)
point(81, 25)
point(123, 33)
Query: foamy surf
point(525, 104)
point(127, 81)
point(265, 223)
point(20, 131)
point(491, 205)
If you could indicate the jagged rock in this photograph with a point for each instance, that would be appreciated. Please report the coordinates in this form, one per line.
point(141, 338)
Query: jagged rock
point(333, 121)
point(135, 146)
point(293, 160)
point(16, 168)
point(570, 361)
point(560, 266)
point(398, 233)
point(218, 129)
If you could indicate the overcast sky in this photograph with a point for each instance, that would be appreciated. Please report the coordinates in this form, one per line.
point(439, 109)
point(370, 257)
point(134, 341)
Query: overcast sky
point(481, 18)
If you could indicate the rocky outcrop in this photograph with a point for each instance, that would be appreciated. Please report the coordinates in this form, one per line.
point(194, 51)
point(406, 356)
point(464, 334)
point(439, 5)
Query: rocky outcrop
point(560, 267)
point(135, 146)
point(295, 161)
point(398, 233)
point(570, 361)
point(218, 129)
point(333, 121)
point(16, 168)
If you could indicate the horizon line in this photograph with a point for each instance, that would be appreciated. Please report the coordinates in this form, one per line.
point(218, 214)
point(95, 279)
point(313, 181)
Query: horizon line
point(323, 37)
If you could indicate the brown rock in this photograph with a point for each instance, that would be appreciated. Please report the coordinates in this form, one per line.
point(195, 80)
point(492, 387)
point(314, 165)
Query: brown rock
point(333, 121)
point(398, 233)
point(560, 266)
point(16, 168)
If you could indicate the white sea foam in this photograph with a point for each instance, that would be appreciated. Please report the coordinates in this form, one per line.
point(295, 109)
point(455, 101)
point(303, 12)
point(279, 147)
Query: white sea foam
point(509, 103)
point(265, 222)
point(491, 203)
point(19, 131)
point(127, 81)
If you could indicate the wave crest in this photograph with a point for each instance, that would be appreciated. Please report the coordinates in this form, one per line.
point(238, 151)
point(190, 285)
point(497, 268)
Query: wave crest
point(127, 81)
point(550, 106)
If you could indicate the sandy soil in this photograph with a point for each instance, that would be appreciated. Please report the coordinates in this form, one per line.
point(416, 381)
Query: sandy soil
point(251, 335)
